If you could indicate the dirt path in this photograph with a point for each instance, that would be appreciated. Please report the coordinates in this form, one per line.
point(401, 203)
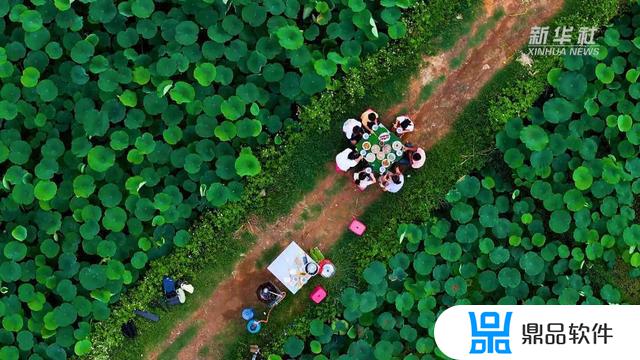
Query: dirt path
point(335, 200)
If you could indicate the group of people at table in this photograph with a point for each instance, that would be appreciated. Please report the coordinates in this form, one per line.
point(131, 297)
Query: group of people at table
point(376, 150)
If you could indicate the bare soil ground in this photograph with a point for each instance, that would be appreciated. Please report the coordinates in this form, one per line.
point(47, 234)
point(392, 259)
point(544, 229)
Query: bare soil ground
point(335, 200)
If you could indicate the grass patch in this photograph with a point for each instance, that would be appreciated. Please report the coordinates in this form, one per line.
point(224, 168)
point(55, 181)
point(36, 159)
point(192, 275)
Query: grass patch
point(478, 37)
point(268, 255)
point(619, 276)
point(315, 210)
point(220, 345)
point(337, 186)
point(463, 20)
point(481, 32)
point(458, 60)
point(428, 88)
point(185, 338)
point(150, 332)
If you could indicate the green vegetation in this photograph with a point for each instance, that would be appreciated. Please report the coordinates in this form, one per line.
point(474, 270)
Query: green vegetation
point(185, 338)
point(477, 37)
point(298, 162)
point(268, 255)
point(557, 200)
point(428, 89)
point(465, 17)
point(481, 32)
point(123, 121)
point(511, 93)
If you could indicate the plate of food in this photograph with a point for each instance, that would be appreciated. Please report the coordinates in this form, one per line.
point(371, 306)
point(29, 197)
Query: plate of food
point(384, 137)
point(397, 145)
point(386, 149)
point(380, 156)
point(366, 146)
point(386, 162)
point(370, 157)
point(375, 148)
point(365, 136)
point(391, 157)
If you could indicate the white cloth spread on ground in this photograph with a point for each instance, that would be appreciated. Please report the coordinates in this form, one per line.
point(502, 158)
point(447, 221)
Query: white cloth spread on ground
point(289, 267)
point(343, 161)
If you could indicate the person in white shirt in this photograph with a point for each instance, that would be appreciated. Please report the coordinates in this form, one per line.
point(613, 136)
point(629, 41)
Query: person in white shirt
point(369, 118)
point(363, 179)
point(347, 159)
point(349, 125)
point(413, 156)
point(392, 181)
point(403, 125)
point(353, 130)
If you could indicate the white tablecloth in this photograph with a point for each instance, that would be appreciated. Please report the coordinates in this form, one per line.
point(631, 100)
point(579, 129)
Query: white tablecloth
point(288, 267)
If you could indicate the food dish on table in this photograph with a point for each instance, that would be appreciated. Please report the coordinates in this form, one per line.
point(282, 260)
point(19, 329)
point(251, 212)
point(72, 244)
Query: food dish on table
point(397, 145)
point(370, 157)
point(366, 145)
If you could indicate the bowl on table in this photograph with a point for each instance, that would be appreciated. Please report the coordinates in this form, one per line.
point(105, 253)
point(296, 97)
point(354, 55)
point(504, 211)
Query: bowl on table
point(375, 127)
point(391, 157)
point(365, 136)
point(382, 169)
point(366, 145)
point(399, 153)
point(386, 149)
point(363, 152)
point(386, 162)
point(380, 156)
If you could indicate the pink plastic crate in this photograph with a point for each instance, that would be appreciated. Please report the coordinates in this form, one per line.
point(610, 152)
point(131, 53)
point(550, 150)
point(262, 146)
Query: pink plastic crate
point(357, 227)
point(318, 294)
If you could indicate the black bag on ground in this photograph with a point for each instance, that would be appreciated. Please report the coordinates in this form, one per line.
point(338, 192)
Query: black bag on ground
point(129, 329)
